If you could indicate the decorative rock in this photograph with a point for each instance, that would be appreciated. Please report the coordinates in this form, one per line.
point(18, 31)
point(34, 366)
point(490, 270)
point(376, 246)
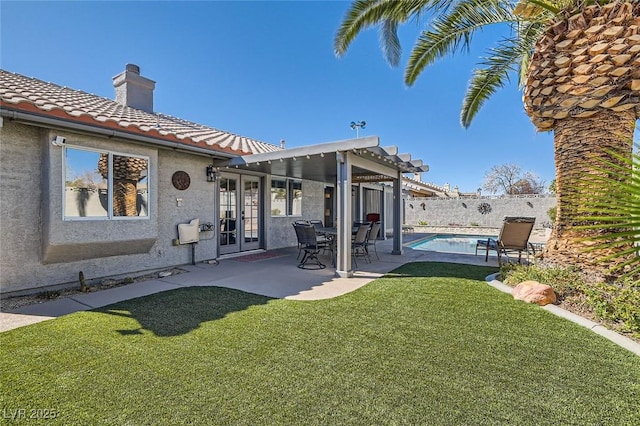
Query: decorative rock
point(534, 292)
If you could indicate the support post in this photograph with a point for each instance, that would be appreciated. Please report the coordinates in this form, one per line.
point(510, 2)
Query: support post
point(397, 214)
point(343, 198)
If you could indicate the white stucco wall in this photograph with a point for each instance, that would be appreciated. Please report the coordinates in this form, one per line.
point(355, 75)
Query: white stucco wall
point(73, 240)
point(20, 205)
point(39, 249)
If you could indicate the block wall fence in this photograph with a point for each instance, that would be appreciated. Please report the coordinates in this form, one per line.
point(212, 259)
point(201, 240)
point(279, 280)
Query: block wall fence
point(483, 211)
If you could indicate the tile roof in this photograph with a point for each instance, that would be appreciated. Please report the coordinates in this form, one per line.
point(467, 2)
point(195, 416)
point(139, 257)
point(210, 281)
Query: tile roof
point(35, 96)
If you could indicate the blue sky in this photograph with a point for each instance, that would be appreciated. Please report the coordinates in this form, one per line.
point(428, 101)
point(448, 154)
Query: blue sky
point(267, 70)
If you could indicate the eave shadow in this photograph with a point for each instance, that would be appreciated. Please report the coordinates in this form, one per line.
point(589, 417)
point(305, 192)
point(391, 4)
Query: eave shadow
point(177, 312)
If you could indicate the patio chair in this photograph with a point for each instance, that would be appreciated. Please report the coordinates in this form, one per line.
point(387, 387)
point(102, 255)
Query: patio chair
point(324, 240)
point(298, 236)
point(371, 239)
point(308, 242)
point(356, 225)
point(359, 243)
point(514, 237)
point(317, 224)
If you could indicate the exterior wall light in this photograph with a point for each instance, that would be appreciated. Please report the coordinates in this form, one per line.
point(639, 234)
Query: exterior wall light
point(211, 174)
point(59, 141)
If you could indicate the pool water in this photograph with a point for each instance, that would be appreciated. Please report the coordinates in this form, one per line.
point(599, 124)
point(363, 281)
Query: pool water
point(461, 244)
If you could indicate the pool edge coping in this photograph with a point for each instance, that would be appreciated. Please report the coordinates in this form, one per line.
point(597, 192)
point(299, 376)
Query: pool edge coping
point(412, 243)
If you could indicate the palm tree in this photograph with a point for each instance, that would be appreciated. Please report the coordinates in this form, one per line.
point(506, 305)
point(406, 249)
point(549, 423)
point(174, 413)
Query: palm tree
point(578, 62)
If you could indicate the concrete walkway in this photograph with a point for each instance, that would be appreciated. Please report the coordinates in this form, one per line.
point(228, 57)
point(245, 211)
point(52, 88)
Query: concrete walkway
point(277, 277)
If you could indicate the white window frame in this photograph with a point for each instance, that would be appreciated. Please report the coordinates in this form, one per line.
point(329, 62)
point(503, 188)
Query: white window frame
point(289, 191)
point(109, 215)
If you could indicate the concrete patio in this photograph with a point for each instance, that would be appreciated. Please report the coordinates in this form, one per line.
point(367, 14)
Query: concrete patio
point(276, 275)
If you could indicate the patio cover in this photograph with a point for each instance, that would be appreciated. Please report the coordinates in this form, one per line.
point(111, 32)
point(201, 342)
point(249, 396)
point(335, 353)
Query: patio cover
point(343, 162)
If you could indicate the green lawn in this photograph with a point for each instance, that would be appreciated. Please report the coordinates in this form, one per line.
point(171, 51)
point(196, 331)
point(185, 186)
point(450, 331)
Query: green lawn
point(428, 344)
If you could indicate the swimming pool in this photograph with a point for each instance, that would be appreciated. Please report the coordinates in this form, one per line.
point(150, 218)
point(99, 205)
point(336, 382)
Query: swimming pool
point(447, 243)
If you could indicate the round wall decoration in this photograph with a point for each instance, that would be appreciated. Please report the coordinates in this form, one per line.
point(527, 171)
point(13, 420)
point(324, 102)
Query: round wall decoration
point(484, 208)
point(181, 180)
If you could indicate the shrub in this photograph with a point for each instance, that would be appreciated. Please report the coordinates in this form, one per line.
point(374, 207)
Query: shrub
point(619, 303)
point(565, 281)
point(422, 222)
point(616, 304)
point(552, 214)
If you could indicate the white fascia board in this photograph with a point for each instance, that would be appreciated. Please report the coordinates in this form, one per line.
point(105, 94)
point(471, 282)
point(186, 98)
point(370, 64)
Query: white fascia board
point(373, 166)
point(322, 148)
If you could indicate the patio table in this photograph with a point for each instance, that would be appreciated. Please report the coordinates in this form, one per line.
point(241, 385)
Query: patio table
point(331, 233)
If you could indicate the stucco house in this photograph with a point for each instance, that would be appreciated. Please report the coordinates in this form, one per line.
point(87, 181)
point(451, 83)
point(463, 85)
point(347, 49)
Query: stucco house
point(101, 186)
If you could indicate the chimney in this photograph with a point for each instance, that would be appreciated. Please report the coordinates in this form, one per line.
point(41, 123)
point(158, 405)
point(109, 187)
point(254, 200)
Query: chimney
point(133, 90)
point(282, 143)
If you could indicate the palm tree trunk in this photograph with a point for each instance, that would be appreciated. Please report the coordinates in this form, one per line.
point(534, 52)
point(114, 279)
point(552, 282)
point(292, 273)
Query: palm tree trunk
point(126, 174)
point(579, 144)
point(125, 197)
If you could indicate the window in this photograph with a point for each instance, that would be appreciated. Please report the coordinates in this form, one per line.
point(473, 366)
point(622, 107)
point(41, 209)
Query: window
point(286, 197)
point(105, 185)
point(295, 197)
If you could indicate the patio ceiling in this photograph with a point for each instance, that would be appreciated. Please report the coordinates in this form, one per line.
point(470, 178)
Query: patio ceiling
point(318, 162)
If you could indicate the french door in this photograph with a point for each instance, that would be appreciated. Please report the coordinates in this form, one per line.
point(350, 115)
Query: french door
point(240, 213)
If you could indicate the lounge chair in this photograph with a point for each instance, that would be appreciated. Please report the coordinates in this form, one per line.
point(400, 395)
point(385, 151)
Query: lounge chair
point(514, 237)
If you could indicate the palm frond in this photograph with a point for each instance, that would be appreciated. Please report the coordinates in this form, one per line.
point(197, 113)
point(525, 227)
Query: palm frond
point(483, 84)
point(390, 42)
point(527, 32)
point(614, 209)
point(364, 14)
point(453, 32)
point(502, 60)
point(529, 9)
